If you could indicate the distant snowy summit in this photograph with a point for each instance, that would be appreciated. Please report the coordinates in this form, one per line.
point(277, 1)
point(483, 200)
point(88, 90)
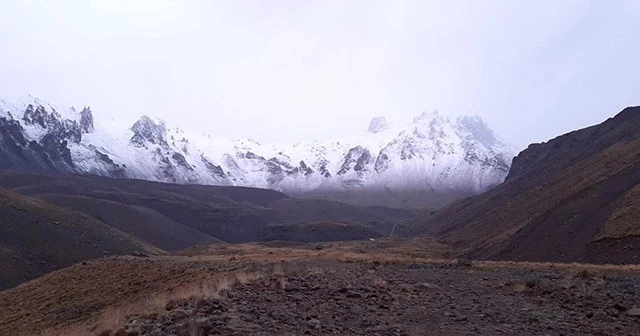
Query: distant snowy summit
point(429, 161)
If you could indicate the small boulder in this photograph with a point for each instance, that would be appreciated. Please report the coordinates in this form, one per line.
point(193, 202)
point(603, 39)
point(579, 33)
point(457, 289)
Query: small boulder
point(426, 285)
point(353, 295)
point(171, 305)
point(121, 332)
point(406, 288)
point(635, 312)
point(178, 315)
point(314, 324)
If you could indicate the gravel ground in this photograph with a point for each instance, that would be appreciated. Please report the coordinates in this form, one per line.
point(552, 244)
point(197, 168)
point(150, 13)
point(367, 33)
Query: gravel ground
point(416, 299)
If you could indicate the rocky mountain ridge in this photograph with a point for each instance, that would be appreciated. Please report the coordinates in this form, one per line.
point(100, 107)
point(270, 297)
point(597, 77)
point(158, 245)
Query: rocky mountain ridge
point(434, 158)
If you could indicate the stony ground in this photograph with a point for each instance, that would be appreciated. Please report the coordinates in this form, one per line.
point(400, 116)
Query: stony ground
point(332, 298)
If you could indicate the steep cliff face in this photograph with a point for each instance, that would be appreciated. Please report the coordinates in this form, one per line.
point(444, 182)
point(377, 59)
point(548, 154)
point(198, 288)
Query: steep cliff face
point(435, 158)
point(35, 137)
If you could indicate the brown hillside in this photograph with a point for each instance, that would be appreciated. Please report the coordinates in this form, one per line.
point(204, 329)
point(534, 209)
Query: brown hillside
point(37, 238)
point(231, 214)
point(309, 210)
point(207, 209)
point(145, 224)
point(574, 198)
point(320, 232)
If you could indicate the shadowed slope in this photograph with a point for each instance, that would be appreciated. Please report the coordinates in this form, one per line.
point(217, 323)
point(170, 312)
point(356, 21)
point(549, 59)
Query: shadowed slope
point(570, 199)
point(231, 214)
point(37, 238)
point(145, 224)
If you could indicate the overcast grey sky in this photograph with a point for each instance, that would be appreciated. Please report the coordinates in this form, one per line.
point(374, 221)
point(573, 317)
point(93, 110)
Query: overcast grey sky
point(293, 70)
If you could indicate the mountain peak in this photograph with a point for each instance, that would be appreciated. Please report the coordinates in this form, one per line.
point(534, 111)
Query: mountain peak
point(378, 125)
point(429, 117)
point(430, 153)
point(148, 130)
point(430, 114)
point(478, 128)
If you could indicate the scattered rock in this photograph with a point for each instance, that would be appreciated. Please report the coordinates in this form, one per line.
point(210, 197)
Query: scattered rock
point(171, 305)
point(349, 303)
point(178, 314)
point(600, 316)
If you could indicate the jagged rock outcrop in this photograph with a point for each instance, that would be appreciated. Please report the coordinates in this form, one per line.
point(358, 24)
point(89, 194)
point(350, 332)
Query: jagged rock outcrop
point(86, 120)
point(146, 130)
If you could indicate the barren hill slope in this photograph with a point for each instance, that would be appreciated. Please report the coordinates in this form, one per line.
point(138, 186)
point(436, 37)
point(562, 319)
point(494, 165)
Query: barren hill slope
point(37, 238)
point(85, 217)
point(174, 216)
point(574, 198)
point(262, 289)
point(146, 224)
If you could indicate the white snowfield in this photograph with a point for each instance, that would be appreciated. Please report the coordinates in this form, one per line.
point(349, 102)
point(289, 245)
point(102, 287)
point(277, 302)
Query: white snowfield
point(431, 153)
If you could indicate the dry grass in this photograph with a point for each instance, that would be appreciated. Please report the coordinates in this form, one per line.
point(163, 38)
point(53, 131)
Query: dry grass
point(381, 250)
point(191, 277)
point(385, 252)
point(571, 267)
point(114, 317)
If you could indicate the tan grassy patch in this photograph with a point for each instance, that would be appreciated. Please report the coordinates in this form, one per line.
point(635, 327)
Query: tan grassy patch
point(113, 318)
point(574, 267)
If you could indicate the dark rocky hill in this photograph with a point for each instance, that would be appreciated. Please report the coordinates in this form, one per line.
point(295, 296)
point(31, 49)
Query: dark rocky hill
point(574, 198)
point(37, 238)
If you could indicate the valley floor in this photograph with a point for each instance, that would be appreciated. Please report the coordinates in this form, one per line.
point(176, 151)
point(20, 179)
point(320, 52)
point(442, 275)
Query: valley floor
point(258, 290)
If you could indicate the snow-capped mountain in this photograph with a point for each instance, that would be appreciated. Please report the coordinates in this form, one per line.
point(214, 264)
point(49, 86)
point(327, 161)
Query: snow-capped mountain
point(429, 161)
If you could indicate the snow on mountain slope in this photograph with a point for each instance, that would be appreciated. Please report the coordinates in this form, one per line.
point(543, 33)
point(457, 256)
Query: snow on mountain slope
point(433, 157)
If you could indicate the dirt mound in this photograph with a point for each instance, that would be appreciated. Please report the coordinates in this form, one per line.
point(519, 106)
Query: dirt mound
point(565, 200)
